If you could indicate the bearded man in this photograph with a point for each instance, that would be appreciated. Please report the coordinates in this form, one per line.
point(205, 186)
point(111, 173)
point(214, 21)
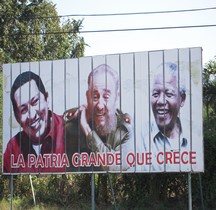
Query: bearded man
point(99, 127)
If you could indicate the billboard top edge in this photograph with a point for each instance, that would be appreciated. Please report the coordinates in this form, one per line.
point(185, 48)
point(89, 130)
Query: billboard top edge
point(111, 54)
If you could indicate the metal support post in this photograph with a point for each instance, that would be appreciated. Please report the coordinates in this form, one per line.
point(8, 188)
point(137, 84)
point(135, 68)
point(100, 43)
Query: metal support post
point(189, 191)
point(93, 191)
point(11, 192)
point(32, 188)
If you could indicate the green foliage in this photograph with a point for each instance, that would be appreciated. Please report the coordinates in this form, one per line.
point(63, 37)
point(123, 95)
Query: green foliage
point(209, 178)
point(31, 30)
point(150, 190)
point(209, 90)
point(63, 190)
point(209, 93)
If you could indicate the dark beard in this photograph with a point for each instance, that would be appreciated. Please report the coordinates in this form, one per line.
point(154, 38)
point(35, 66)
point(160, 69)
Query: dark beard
point(102, 131)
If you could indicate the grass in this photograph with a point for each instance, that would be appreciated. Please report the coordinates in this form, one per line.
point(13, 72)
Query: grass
point(27, 204)
point(19, 204)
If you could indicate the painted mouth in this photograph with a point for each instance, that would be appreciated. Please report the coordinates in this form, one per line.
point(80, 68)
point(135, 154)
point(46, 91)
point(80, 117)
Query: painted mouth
point(100, 114)
point(162, 111)
point(34, 124)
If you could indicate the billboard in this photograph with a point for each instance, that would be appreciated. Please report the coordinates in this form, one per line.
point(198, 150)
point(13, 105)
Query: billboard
point(132, 112)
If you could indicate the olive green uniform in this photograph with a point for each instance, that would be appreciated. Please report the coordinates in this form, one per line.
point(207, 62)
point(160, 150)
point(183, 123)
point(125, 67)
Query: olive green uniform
point(120, 140)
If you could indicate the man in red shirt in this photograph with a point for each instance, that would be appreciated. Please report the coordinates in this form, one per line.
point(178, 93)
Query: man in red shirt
point(39, 147)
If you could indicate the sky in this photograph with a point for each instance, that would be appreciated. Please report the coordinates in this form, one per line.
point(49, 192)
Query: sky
point(144, 40)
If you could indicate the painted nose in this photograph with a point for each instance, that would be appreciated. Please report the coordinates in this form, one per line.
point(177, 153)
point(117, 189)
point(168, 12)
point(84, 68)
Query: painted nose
point(161, 99)
point(32, 112)
point(100, 104)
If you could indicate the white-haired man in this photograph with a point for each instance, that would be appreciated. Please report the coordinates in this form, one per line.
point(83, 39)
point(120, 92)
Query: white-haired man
point(99, 127)
point(168, 140)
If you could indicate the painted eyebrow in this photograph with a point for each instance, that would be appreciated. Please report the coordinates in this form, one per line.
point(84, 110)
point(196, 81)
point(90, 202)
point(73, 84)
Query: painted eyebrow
point(170, 90)
point(32, 99)
point(156, 90)
point(107, 90)
point(94, 91)
point(35, 98)
point(22, 106)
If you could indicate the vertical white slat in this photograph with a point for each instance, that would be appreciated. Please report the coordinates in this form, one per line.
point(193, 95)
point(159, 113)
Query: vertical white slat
point(196, 107)
point(72, 82)
point(127, 95)
point(142, 111)
point(185, 111)
point(7, 106)
point(171, 56)
point(156, 58)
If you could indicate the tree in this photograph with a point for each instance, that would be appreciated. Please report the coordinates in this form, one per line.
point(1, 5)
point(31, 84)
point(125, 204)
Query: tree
point(209, 88)
point(209, 100)
point(31, 30)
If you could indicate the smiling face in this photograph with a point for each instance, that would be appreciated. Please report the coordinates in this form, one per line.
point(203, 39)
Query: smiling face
point(166, 101)
point(32, 111)
point(101, 98)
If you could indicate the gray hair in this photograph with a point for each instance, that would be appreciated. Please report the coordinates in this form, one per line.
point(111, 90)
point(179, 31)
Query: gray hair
point(104, 68)
point(172, 69)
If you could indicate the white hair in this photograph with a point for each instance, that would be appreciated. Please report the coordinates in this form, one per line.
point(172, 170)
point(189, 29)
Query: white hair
point(172, 69)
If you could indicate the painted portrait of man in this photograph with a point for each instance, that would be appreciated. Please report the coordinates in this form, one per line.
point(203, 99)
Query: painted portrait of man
point(42, 133)
point(103, 127)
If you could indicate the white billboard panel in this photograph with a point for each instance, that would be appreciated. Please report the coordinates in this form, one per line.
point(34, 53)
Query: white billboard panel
point(132, 112)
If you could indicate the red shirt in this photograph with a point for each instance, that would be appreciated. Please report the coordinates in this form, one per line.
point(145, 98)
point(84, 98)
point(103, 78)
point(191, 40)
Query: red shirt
point(20, 156)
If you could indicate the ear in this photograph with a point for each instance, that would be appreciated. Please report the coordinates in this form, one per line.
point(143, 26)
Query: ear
point(183, 98)
point(16, 116)
point(87, 94)
point(46, 98)
point(46, 95)
point(117, 99)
